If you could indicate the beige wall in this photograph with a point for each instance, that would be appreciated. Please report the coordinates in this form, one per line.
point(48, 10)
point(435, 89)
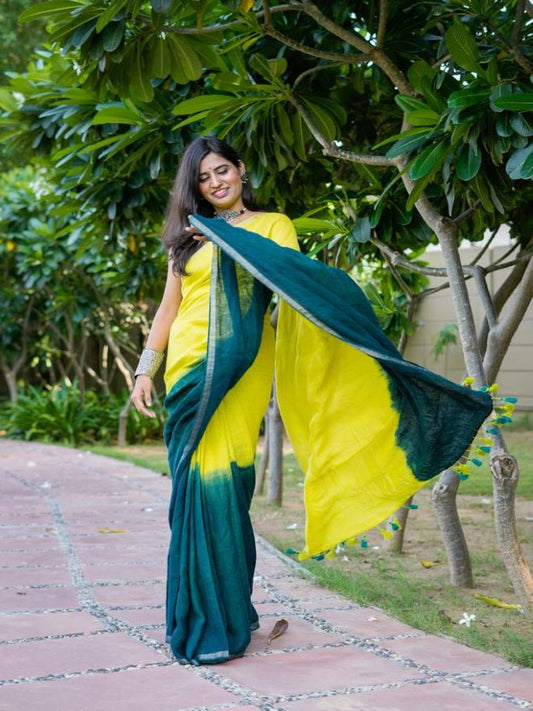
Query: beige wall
point(516, 375)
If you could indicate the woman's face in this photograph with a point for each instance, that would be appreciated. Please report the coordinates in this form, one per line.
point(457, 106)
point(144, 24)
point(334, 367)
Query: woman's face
point(220, 182)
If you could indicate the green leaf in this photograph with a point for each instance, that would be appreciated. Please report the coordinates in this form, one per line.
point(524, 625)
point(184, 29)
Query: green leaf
point(46, 9)
point(116, 113)
point(161, 6)
point(409, 103)
point(304, 225)
point(472, 96)
point(184, 55)
point(520, 164)
point(161, 60)
point(268, 68)
point(468, 162)
point(503, 125)
point(361, 230)
point(479, 185)
point(108, 14)
point(497, 92)
point(112, 35)
point(285, 125)
point(201, 103)
point(7, 100)
point(463, 48)
point(515, 102)
point(428, 160)
point(299, 137)
point(417, 191)
point(140, 80)
point(322, 119)
point(410, 142)
point(419, 73)
point(423, 117)
point(521, 125)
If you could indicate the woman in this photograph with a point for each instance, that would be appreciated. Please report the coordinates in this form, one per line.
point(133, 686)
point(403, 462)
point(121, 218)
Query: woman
point(368, 428)
point(212, 550)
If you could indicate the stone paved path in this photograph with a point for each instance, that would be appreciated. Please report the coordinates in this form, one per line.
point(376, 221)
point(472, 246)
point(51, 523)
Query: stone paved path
point(82, 558)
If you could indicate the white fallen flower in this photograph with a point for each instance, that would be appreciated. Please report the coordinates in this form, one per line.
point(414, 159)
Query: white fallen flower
point(467, 619)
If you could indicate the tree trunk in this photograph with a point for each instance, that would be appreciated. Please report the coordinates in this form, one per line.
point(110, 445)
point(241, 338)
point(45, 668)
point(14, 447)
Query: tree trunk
point(122, 423)
point(505, 474)
point(511, 317)
point(511, 552)
point(263, 463)
point(275, 452)
point(11, 382)
point(444, 497)
point(395, 543)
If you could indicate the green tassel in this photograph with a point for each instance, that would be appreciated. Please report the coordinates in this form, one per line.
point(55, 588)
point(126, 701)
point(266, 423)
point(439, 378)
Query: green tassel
point(477, 462)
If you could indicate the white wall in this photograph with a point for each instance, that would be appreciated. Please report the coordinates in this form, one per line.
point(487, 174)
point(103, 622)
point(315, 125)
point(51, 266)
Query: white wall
point(516, 375)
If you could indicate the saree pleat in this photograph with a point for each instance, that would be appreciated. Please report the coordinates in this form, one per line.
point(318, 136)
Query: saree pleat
point(215, 405)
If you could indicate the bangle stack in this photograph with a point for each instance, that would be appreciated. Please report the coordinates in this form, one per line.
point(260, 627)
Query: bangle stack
point(149, 362)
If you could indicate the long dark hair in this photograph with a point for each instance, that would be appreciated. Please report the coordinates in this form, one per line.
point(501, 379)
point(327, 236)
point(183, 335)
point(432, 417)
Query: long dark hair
point(186, 199)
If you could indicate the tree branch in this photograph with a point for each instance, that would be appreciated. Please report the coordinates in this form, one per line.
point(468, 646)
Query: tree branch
point(500, 298)
point(521, 59)
point(466, 214)
point(382, 23)
point(289, 42)
point(484, 248)
point(376, 55)
point(329, 148)
point(314, 70)
point(484, 295)
point(500, 336)
point(397, 259)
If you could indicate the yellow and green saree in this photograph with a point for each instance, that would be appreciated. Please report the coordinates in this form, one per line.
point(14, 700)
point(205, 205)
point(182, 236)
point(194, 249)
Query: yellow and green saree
point(368, 428)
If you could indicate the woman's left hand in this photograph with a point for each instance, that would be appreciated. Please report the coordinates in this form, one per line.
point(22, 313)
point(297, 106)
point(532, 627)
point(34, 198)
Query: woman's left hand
point(198, 236)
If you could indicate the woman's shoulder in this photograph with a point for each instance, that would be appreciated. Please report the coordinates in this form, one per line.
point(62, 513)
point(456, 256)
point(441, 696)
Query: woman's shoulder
point(276, 226)
point(270, 218)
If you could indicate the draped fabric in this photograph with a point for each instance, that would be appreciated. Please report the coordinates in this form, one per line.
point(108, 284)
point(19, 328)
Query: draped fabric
point(367, 427)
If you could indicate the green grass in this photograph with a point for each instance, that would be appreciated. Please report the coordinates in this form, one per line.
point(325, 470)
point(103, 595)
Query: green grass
point(150, 456)
point(519, 440)
point(414, 602)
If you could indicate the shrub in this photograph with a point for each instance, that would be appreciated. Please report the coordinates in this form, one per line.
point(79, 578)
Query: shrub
point(62, 414)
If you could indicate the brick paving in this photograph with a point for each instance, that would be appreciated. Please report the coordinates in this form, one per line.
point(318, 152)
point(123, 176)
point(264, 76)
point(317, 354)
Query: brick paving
point(82, 567)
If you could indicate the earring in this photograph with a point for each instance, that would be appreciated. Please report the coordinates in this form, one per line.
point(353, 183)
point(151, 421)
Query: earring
point(244, 178)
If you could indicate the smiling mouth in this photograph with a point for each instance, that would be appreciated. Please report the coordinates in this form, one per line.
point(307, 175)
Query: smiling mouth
point(221, 193)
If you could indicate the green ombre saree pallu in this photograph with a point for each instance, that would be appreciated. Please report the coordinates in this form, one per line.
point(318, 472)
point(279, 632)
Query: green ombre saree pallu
point(368, 428)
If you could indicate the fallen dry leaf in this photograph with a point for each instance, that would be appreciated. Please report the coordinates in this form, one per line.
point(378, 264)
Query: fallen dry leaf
point(105, 529)
point(498, 603)
point(429, 563)
point(279, 628)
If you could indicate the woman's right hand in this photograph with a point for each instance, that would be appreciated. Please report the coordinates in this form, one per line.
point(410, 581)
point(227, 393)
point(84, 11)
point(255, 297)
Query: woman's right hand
point(141, 395)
